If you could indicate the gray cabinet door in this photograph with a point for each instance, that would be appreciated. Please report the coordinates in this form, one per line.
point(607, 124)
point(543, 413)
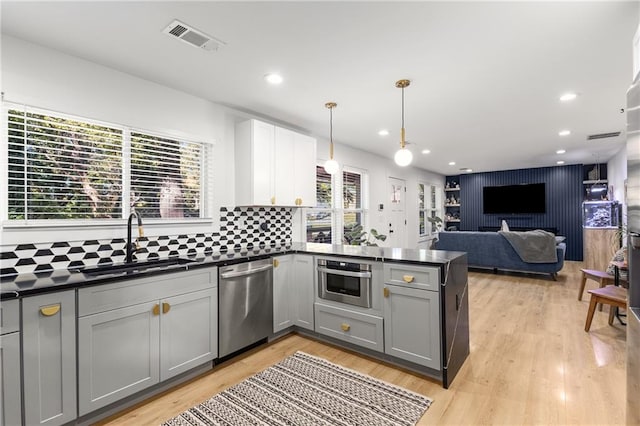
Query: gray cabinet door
point(282, 279)
point(188, 331)
point(49, 358)
point(303, 291)
point(118, 354)
point(412, 325)
point(10, 405)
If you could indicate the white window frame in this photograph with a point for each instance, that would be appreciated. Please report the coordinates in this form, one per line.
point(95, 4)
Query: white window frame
point(364, 210)
point(428, 209)
point(337, 209)
point(206, 180)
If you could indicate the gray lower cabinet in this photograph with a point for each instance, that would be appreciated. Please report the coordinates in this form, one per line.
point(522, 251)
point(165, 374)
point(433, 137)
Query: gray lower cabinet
point(49, 358)
point(10, 402)
point(282, 281)
point(118, 354)
point(136, 333)
point(412, 325)
point(303, 291)
point(350, 326)
point(188, 331)
point(293, 291)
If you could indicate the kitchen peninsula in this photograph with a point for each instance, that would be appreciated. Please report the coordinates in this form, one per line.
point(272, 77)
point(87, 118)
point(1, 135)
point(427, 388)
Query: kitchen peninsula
point(416, 317)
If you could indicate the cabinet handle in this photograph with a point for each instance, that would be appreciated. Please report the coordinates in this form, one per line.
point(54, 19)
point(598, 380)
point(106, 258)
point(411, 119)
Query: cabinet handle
point(165, 307)
point(273, 200)
point(156, 309)
point(407, 278)
point(386, 292)
point(50, 310)
point(345, 327)
point(275, 263)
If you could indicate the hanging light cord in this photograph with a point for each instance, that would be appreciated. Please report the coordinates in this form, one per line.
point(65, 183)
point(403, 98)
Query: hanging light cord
point(402, 128)
point(331, 133)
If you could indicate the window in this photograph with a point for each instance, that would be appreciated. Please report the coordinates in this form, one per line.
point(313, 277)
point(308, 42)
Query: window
point(429, 201)
point(351, 201)
point(69, 168)
point(333, 218)
point(320, 218)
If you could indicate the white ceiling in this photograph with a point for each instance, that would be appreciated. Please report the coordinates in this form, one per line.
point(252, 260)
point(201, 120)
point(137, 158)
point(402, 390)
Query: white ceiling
point(485, 77)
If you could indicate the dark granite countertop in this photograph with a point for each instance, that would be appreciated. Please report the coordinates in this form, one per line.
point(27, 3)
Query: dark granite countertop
point(62, 279)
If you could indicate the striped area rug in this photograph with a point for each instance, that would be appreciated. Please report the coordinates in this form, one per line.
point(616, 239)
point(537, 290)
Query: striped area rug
point(306, 390)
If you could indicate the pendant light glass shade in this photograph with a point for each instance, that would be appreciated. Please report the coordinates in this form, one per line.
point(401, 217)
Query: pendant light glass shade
point(331, 166)
point(403, 156)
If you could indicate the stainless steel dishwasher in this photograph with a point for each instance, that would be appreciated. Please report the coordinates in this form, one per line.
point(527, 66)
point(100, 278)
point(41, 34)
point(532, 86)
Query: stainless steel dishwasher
point(245, 305)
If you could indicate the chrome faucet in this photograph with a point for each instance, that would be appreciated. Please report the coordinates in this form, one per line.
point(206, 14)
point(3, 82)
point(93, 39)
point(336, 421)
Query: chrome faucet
point(133, 246)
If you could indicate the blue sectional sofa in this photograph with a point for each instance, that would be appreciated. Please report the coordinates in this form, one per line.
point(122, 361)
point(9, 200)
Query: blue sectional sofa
point(492, 250)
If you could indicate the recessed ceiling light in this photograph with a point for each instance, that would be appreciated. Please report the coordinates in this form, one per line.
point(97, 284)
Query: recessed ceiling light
point(466, 170)
point(564, 132)
point(426, 151)
point(452, 163)
point(568, 97)
point(273, 78)
point(383, 132)
point(560, 151)
point(560, 162)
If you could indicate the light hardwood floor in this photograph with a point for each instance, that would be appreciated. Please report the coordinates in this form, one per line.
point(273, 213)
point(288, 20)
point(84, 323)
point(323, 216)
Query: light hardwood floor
point(531, 361)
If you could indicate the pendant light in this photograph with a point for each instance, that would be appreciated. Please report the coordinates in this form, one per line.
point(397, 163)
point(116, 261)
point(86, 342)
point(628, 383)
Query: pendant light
point(331, 166)
point(403, 156)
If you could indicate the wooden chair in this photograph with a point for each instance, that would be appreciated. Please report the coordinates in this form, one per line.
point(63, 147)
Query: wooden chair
point(601, 277)
point(611, 295)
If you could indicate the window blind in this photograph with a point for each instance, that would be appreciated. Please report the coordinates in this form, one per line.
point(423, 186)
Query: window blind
point(320, 219)
point(352, 190)
point(352, 200)
point(165, 176)
point(62, 167)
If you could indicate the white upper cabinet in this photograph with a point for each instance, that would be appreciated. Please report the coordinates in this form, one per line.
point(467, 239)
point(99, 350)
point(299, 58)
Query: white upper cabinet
point(274, 166)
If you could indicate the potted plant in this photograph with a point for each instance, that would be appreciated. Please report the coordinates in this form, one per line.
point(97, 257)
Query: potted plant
point(617, 240)
point(356, 236)
point(437, 222)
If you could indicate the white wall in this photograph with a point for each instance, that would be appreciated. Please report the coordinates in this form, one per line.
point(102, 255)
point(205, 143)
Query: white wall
point(38, 76)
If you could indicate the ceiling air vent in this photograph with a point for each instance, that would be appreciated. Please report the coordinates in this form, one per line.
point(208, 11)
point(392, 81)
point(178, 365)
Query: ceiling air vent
point(192, 36)
point(603, 136)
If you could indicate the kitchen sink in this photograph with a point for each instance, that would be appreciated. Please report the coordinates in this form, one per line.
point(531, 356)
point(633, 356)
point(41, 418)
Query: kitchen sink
point(135, 267)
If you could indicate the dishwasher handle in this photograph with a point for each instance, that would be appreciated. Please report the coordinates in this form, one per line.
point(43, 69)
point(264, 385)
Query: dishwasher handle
point(225, 275)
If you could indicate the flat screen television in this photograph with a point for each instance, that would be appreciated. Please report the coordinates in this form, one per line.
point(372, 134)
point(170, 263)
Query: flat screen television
point(514, 199)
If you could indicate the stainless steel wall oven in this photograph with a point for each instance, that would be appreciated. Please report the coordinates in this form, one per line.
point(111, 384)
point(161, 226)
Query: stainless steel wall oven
point(345, 282)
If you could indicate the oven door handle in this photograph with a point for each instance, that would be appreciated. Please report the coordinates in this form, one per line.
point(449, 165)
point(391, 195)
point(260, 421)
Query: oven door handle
point(365, 274)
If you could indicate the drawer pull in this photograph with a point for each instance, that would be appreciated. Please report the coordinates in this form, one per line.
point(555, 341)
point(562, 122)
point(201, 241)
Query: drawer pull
point(386, 292)
point(48, 311)
point(345, 327)
point(165, 307)
point(275, 263)
point(408, 278)
point(156, 310)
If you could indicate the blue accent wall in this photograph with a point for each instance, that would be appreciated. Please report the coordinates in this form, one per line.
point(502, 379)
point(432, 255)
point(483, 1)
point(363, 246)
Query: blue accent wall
point(563, 200)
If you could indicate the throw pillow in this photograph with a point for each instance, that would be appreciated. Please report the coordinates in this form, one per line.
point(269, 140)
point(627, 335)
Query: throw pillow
point(504, 227)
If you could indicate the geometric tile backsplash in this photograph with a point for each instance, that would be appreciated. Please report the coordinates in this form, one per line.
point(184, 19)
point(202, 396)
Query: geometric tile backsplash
point(240, 228)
